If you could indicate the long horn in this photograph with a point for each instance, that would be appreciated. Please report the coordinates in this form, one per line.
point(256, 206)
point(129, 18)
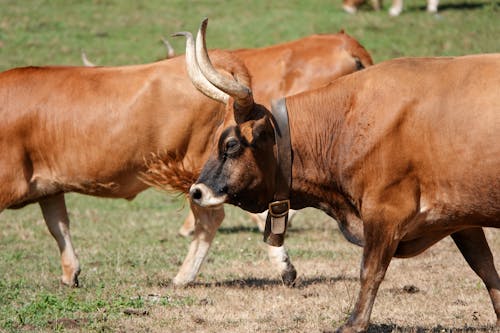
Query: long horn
point(241, 93)
point(86, 61)
point(168, 46)
point(197, 78)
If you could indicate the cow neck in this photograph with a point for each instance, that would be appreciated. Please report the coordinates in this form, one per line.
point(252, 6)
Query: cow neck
point(277, 216)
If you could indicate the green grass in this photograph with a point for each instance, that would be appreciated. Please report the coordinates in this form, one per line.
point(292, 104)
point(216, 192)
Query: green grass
point(117, 32)
point(129, 251)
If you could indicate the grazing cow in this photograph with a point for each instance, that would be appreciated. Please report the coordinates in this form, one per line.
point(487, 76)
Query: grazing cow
point(398, 172)
point(351, 6)
point(94, 130)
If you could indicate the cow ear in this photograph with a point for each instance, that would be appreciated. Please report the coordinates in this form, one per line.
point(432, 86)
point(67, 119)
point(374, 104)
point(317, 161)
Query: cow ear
point(262, 130)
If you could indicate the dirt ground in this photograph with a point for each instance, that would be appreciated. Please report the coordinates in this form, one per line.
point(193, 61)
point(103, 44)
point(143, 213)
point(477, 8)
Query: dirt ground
point(433, 292)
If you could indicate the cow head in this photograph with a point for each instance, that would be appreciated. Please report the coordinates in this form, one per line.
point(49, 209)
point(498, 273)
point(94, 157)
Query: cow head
point(242, 167)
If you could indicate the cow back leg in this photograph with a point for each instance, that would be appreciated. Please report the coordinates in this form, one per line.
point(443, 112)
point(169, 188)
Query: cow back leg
point(474, 247)
point(207, 221)
point(56, 217)
point(187, 228)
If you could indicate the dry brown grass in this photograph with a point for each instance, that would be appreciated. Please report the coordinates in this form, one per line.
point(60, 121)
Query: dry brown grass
point(433, 292)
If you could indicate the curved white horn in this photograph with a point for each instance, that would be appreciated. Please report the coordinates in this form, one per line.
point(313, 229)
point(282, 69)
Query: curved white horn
point(168, 46)
point(241, 93)
point(86, 61)
point(196, 76)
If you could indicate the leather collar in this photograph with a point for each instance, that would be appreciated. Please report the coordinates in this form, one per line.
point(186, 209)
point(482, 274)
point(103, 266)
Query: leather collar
point(277, 217)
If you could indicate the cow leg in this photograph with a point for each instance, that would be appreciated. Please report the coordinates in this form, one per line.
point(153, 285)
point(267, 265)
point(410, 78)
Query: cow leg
point(380, 246)
point(207, 221)
point(396, 8)
point(260, 219)
point(278, 255)
point(377, 4)
point(56, 218)
point(281, 261)
point(350, 6)
point(383, 214)
point(474, 247)
point(187, 228)
point(432, 6)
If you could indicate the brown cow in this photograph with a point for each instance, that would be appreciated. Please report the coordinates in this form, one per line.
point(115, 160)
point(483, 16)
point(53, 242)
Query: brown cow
point(48, 115)
point(303, 64)
point(82, 129)
point(407, 169)
point(299, 65)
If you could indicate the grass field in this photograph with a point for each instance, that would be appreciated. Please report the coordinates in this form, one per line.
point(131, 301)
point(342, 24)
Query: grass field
point(130, 251)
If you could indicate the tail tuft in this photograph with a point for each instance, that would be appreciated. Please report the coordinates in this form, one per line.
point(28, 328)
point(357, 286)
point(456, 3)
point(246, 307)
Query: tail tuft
point(167, 172)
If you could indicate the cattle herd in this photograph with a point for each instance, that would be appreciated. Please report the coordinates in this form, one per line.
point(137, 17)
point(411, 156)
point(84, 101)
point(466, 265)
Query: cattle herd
point(401, 154)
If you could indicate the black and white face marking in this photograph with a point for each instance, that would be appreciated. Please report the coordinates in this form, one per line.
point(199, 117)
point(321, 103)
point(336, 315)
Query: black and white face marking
point(241, 172)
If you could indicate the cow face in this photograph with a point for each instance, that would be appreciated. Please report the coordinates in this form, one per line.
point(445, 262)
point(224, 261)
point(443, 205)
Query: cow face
point(241, 170)
point(242, 167)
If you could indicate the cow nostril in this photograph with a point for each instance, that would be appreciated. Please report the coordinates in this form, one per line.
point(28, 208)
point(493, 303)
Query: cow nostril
point(196, 193)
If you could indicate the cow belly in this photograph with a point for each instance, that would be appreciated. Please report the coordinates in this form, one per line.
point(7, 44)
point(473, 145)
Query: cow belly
point(127, 187)
point(411, 248)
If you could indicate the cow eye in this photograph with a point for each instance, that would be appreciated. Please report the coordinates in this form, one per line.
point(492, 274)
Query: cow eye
point(232, 146)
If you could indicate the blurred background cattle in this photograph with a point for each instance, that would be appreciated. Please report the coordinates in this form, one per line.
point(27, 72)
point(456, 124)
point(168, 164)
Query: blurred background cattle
point(351, 6)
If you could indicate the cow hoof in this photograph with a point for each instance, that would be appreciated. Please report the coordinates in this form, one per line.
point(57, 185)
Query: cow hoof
point(350, 329)
point(288, 277)
point(71, 281)
point(178, 282)
point(395, 11)
point(184, 232)
point(350, 9)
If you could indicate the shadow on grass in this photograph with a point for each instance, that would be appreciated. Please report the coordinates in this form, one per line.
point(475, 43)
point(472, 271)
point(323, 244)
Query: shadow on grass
point(256, 283)
point(238, 229)
point(255, 230)
point(452, 6)
point(383, 328)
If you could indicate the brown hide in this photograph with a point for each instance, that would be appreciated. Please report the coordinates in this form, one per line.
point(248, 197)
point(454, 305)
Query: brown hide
point(440, 131)
point(95, 130)
point(276, 71)
point(89, 129)
point(304, 64)
point(409, 148)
